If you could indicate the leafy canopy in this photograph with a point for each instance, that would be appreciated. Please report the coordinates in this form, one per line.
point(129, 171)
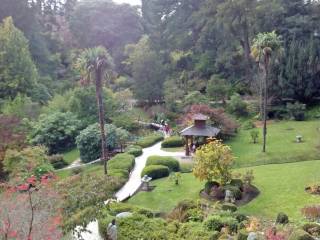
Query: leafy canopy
point(213, 161)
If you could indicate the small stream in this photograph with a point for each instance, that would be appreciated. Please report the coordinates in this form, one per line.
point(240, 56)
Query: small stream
point(131, 186)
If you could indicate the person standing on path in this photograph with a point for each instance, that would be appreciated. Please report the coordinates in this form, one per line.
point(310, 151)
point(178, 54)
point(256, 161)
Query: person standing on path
point(112, 230)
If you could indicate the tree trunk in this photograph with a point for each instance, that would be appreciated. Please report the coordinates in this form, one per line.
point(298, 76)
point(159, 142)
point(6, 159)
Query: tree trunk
point(104, 151)
point(247, 51)
point(265, 99)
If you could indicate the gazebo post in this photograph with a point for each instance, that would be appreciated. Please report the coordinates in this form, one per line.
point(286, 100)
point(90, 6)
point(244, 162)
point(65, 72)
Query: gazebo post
point(187, 146)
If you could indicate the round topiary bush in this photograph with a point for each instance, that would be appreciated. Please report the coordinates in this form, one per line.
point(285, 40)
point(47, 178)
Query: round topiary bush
point(134, 150)
point(300, 235)
point(155, 171)
point(170, 162)
point(172, 142)
point(149, 140)
point(282, 218)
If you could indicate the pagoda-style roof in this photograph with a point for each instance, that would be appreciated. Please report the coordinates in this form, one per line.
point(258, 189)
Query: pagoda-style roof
point(205, 131)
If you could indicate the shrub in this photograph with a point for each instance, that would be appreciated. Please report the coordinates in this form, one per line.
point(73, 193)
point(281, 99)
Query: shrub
point(248, 125)
point(57, 131)
point(300, 235)
point(254, 135)
point(156, 171)
point(237, 106)
point(229, 207)
point(237, 183)
point(170, 162)
point(248, 177)
point(120, 173)
point(216, 223)
point(297, 111)
point(26, 162)
point(121, 161)
point(235, 190)
point(134, 150)
point(240, 217)
point(172, 142)
point(89, 141)
point(282, 218)
point(149, 140)
point(209, 185)
point(242, 235)
point(57, 161)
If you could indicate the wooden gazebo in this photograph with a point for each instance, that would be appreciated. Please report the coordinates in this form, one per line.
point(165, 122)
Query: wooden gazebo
point(200, 128)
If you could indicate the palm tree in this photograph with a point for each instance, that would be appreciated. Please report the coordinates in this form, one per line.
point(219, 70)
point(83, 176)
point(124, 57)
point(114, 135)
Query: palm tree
point(265, 45)
point(93, 64)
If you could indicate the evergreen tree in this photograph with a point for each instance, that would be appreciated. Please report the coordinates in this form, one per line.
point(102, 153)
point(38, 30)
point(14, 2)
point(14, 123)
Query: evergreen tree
point(18, 73)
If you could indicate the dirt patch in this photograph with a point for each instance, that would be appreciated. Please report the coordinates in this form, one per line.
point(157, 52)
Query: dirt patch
point(251, 193)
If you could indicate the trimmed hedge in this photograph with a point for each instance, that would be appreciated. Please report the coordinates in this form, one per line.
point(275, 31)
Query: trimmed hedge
point(134, 150)
point(149, 140)
point(170, 162)
point(172, 142)
point(282, 218)
point(119, 173)
point(121, 161)
point(156, 171)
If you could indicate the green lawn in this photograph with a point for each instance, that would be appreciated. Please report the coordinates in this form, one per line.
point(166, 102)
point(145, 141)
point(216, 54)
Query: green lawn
point(97, 168)
point(281, 145)
point(166, 194)
point(71, 156)
point(282, 190)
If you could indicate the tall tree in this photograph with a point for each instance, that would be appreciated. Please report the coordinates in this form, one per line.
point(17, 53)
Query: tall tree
point(265, 45)
point(238, 17)
point(93, 63)
point(107, 24)
point(147, 70)
point(18, 73)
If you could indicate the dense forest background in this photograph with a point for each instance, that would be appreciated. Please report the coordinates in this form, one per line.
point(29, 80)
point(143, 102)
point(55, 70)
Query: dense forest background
point(163, 49)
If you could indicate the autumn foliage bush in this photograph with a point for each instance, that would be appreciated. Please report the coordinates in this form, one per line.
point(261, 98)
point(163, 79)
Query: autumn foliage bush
point(217, 117)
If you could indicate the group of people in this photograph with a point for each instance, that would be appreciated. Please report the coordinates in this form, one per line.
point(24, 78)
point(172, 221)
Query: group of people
point(165, 127)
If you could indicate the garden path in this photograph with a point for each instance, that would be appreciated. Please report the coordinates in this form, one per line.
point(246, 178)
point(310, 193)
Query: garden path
point(132, 184)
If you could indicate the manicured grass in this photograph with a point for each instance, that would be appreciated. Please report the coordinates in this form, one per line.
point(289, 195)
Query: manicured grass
point(97, 168)
point(282, 189)
point(281, 185)
point(175, 149)
point(281, 145)
point(71, 156)
point(166, 194)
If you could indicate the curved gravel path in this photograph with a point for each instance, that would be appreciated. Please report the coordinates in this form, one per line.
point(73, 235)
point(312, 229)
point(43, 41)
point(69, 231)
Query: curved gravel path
point(132, 184)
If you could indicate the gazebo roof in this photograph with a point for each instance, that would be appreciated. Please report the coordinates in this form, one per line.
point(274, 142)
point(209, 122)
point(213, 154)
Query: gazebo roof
point(206, 131)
